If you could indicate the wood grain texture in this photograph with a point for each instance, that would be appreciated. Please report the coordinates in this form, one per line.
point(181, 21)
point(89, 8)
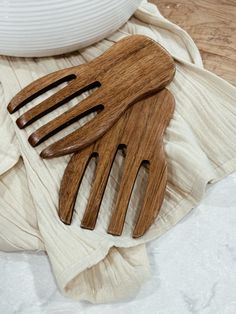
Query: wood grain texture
point(127, 115)
point(140, 130)
point(212, 25)
point(123, 74)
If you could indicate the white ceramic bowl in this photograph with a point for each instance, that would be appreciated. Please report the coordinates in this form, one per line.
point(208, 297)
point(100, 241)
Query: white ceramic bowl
point(50, 27)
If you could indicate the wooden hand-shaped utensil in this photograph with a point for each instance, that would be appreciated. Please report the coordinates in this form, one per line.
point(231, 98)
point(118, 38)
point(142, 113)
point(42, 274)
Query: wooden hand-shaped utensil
point(130, 70)
point(140, 129)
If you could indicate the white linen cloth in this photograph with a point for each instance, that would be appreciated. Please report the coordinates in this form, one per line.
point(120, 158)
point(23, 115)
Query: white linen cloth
point(200, 144)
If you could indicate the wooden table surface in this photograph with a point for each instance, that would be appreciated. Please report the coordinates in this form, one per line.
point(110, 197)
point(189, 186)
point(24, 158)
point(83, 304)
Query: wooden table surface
point(212, 25)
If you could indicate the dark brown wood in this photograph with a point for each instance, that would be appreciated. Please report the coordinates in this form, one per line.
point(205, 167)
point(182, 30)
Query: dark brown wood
point(130, 70)
point(140, 129)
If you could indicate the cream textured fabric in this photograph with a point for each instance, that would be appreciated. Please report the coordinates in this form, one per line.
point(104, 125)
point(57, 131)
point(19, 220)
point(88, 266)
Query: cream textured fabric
point(200, 144)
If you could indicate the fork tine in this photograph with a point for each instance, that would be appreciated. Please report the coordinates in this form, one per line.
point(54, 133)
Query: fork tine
point(129, 175)
point(80, 138)
point(67, 117)
point(98, 188)
point(39, 87)
point(154, 195)
point(70, 184)
point(64, 95)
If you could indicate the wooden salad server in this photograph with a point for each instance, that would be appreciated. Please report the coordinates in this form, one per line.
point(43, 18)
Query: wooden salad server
point(140, 130)
point(130, 70)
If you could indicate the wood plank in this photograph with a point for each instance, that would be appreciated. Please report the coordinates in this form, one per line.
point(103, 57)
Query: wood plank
point(212, 25)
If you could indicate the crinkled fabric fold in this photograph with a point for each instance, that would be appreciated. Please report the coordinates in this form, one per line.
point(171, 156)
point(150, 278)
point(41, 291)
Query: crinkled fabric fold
point(200, 145)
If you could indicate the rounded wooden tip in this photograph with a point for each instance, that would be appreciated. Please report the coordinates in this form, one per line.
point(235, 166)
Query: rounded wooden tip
point(65, 218)
point(14, 104)
point(137, 235)
point(21, 122)
point(88, 227)
point(140, 229)
point(10, 107)
point(65, 221)
point(56, 150)
point(47, 153)
point(33, 140)
point(114, 232)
